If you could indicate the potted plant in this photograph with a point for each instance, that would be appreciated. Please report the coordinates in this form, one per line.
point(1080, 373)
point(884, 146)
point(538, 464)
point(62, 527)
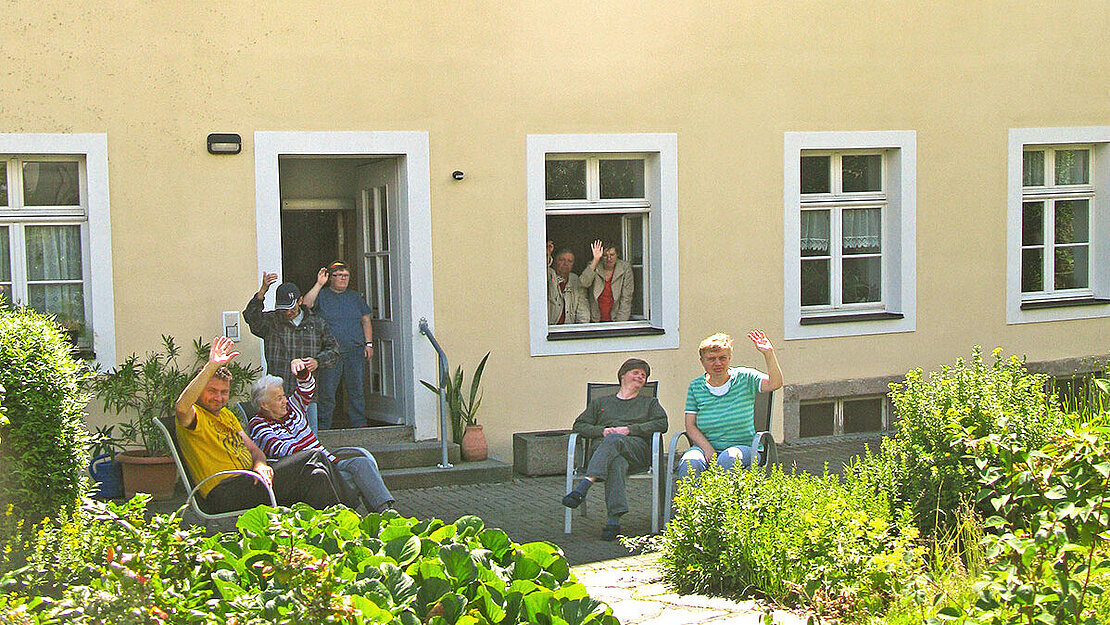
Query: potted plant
point(463, 411)
point(145, 389)
point(105, 470)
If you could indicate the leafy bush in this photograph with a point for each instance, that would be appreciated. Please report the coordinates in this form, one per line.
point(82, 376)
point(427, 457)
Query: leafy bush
point(939, 419)
point(1048, 545)
point(43, 444)
point(791, 538)
point(308, 566)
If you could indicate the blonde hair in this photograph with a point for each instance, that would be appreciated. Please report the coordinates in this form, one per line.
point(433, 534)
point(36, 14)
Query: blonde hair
point(718, 341)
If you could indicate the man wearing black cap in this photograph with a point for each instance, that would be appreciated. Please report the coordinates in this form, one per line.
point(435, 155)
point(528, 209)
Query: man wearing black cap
point(625, 423)
point(290, 331)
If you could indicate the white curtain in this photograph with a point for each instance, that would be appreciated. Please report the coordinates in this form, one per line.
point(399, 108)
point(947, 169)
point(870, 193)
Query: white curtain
point(54, 254)
point(862, 228)
point(815, 231)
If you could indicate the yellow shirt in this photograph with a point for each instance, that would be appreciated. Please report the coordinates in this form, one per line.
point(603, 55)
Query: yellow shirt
point(215, 444)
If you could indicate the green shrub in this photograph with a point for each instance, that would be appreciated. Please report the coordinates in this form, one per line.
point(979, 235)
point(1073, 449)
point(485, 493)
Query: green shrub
point(931, 458)
point(795, 539)
point(302, 565)
point(44, 445)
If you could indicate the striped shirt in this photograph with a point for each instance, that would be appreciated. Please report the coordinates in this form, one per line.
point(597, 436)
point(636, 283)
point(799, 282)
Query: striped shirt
point(278, 439)
point(728, 419)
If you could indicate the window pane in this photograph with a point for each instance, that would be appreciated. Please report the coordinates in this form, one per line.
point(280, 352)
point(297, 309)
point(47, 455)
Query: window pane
point(50, 184)
point(1073, 166)
point(1032, 169)
point(382, 200)
point(5, 269)
point(622, 178)
point(1032, 270)
point(1071, 267)
point(862, 280)
point(816, 419)
point(863, 415)
point(815, 233)
point(815, 282)
point(67, 301)
point(1032, 223)
point(815, 174)
point(862, 231)
point(566, 180)
point(638, 293)
point(3, 183)
point(53, 252)
point(862, 173)
point(5, 257)
point(635, 229)
point(1071, 221)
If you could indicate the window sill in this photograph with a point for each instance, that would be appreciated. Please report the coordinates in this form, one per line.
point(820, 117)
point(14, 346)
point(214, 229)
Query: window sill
point(849, 318)
point(1064, 303)
point(603, 333)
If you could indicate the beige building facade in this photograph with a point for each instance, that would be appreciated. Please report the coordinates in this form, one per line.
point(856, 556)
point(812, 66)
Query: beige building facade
point(878, 186)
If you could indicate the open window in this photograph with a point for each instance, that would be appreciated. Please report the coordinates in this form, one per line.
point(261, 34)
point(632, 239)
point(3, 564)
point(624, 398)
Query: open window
point(621, 190)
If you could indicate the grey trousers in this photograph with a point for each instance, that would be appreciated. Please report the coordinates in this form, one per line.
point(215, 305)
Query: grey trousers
point(614, 457)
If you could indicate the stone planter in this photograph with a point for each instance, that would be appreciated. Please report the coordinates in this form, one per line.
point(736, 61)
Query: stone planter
point(143, 473)
point(540, 453)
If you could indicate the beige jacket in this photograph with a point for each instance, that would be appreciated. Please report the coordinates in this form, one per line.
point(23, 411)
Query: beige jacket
point(622, 290)
point(573, 299)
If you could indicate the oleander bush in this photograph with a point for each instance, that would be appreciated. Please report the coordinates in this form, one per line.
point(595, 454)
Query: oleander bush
point(43, 440)
point(931, 459)
point(795, 539)
point(296, 565)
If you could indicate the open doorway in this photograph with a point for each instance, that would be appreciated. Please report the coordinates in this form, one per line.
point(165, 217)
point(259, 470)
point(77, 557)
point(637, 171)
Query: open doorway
point(341, 208)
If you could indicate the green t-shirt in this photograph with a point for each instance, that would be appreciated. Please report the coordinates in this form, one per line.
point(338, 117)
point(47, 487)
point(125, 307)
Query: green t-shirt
point(729, 419)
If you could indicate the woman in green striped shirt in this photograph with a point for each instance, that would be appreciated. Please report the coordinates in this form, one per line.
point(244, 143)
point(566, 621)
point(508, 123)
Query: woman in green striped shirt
point(720, 405)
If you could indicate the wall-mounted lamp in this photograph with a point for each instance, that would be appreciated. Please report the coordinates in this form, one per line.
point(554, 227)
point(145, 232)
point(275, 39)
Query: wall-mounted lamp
point(457, 175)
point(224, 143)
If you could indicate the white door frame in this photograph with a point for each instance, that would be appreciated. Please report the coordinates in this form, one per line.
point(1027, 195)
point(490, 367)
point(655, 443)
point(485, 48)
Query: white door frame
point(414, 213)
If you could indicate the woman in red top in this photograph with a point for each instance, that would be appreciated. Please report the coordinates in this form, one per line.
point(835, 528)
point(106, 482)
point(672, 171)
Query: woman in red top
point(609, 281)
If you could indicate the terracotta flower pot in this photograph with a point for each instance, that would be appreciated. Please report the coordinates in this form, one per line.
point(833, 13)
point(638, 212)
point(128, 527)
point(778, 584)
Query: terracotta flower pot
point(143, 473)
point(474, 444)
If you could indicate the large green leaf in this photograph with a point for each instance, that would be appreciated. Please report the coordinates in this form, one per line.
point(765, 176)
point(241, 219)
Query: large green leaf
point(469, 525)
point(255, 521)
point(404, 549)
point(372, 612)
point(496, 541)
point(398, 583)
point(430, 591)
point(457, 562)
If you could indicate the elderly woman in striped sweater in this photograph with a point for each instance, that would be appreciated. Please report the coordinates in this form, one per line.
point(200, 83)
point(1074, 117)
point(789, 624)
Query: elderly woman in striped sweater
point(279, 428)
point(720, 405)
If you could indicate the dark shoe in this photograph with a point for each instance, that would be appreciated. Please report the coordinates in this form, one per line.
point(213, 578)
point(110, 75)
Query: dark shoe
point(610, 532)
point(385, 506)
point(572, 499)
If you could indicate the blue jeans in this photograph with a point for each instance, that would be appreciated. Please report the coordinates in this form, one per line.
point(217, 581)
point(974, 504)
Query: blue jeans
point(348, 368)
point(310, 415)
point(362, 473)
point(694, 461)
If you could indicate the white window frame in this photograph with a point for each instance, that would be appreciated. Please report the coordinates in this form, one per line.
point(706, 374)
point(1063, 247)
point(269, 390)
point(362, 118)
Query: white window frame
point(1048, 305)
point(91, 152)
point(898, 307)
point(838, 416)
point(660, 242)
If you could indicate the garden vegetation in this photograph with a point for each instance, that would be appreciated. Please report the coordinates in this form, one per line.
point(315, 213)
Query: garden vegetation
point(988, 505)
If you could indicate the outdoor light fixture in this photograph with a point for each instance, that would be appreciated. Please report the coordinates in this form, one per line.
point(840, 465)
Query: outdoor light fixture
point(224, 143)
point(457, 175)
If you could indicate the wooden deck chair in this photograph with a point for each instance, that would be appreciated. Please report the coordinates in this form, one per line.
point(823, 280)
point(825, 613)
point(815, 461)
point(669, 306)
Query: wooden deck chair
point(763, 443)
point(580, 448)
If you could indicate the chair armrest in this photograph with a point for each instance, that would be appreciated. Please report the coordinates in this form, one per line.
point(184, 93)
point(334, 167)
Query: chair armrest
point(765, 441)
point(674, 447)
point(191, 499)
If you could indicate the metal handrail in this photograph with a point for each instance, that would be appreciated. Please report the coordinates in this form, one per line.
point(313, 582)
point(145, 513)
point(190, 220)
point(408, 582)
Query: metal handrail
point(441, 407)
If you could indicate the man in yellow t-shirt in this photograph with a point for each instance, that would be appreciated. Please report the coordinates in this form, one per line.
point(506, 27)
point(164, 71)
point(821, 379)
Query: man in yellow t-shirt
point(212, 440)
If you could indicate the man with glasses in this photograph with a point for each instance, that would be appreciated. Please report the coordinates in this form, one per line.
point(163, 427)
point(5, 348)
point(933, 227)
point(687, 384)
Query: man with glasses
point(348, 317)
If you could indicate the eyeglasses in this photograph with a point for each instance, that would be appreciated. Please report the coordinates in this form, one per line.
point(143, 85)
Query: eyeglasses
point(341, 275)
